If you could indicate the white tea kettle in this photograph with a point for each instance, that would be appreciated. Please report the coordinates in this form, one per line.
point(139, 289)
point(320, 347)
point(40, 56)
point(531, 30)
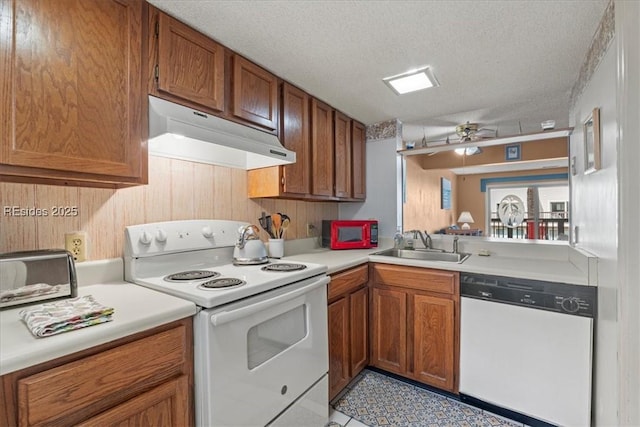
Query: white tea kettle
point(249, 249)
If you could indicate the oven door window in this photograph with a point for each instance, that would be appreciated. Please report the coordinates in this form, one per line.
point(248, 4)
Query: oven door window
point(271, 337)
point(351, 234)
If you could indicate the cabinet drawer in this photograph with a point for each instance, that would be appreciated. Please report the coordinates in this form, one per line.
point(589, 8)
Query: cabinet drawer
point(348, 280)
point(98, 382)
point(416, 278)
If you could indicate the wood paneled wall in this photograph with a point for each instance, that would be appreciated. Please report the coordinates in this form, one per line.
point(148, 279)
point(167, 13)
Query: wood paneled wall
point(422, 210)
point(177, 190)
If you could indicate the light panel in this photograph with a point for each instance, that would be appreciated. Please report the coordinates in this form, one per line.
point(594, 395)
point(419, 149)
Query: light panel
point(411, 81)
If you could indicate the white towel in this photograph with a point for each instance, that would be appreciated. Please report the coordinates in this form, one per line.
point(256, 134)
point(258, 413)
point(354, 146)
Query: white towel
point(65, 315)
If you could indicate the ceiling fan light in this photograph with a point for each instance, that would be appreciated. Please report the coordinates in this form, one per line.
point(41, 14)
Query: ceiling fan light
point(469, 151)
point(411, 81)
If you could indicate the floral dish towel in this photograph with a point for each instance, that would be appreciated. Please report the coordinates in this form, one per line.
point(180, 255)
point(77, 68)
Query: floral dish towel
point(65, 315)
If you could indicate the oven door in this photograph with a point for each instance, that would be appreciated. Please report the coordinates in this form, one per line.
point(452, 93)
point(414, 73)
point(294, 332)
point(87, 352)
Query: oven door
point(255, 357)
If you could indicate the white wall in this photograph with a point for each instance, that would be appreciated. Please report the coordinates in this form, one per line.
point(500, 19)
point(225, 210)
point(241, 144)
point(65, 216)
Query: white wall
point(628, 94)
point(594, 211)
point(383, 188)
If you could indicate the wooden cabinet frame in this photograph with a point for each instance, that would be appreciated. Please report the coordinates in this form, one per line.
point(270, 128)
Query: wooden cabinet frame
point(254, 94)
point(348, 316)
point(73, 105)
point(415, 323)
point(186, 66)
point(95, 382)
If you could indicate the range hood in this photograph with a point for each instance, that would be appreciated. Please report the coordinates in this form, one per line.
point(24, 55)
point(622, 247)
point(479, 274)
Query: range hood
point(184, 133)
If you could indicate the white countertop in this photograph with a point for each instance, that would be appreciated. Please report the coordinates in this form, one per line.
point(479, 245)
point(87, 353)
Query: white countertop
point(136, 309)
point(527, 267)
point(334, 260)
point(545, 270)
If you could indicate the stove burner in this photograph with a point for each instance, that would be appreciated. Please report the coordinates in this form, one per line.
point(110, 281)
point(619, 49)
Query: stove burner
point(222, 283)
point(284, 267)
point(191, 275)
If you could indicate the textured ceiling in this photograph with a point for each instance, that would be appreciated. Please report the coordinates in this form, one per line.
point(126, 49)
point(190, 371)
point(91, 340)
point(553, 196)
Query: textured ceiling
point(504, 64)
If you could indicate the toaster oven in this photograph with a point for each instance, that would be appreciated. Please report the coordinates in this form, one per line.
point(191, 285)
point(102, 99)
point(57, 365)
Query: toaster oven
point(32, 277)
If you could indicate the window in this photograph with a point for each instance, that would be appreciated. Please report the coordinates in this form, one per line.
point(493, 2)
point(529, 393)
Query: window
point(546, 218)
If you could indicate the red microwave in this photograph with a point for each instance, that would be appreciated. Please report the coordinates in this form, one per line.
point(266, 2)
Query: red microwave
point(350, 234)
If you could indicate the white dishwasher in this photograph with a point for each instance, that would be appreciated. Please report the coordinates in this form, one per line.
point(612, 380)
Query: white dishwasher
point(526, 347)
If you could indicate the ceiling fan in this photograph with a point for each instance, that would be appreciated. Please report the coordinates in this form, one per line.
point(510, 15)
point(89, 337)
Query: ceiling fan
point(467, 132)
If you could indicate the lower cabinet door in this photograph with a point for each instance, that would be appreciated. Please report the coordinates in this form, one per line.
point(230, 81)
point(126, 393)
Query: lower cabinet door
point(359, 330)
point(389, 346)
point(166, 405)
point(433, 341)
point(338, 317)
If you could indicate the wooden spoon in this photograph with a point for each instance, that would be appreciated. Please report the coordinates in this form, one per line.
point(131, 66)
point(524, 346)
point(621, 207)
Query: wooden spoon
point(277, 222)
point(285, 224)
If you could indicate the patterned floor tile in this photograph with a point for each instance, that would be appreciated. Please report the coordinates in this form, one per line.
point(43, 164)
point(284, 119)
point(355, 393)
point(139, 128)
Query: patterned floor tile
point(378, 400)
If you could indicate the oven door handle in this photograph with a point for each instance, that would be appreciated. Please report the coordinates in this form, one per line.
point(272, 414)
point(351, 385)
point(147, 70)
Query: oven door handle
point(229, 316)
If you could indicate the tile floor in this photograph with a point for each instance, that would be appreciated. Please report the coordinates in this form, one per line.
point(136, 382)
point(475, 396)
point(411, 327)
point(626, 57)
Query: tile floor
point(373, 399)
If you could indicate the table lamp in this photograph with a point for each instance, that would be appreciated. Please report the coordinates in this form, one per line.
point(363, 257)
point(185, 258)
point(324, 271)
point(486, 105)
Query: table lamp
point(466, 218)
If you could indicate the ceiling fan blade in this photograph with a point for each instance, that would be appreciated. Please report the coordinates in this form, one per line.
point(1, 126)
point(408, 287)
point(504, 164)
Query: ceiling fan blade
point(486, 133)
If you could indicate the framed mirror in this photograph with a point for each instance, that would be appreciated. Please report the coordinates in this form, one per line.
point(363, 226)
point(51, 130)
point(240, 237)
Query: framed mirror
point(591, 132)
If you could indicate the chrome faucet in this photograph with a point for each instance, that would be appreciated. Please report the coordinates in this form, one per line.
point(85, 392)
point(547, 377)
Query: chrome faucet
point(426, 241)
point(455, 245)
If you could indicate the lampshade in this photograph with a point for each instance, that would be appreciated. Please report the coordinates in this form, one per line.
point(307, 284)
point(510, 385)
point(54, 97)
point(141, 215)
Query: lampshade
point(465, 217)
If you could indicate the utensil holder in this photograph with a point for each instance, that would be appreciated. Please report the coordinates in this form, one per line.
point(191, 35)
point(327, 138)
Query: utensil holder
point(276, 248)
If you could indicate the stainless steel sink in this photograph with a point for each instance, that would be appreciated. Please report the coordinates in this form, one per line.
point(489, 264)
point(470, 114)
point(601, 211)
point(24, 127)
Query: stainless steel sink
point(425, 255)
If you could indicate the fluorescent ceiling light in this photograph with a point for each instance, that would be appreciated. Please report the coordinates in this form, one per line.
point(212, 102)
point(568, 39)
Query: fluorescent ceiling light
point(412, 81)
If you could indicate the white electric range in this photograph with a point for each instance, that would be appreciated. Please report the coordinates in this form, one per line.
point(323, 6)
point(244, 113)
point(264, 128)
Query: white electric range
point(260, 336)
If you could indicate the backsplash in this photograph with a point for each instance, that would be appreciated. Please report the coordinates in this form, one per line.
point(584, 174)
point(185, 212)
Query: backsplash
point(38, 216)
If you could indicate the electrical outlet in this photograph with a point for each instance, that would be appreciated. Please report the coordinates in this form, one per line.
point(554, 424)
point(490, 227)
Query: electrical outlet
point(311, 230)
point(76, 243)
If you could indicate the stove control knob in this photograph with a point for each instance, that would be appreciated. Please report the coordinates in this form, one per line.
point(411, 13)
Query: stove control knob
point(161, 236)
point(145, 238)
point(571, 305)
point(207, 232)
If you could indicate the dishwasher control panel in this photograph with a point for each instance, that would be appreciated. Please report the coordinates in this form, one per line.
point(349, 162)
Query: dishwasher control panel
point(559, 297)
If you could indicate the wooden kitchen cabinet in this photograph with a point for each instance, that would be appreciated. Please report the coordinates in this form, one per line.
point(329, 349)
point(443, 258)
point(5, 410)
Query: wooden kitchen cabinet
point(358, 161)
point(416, 323)
point(288, 181)
point(145, 379)
point(389, 324)
point(322, 154)
point(254, 94)
point(433, 340)
point(342, 152)
point(338, 316)
point(72, 92)
point(185, 66)
point(348, 326)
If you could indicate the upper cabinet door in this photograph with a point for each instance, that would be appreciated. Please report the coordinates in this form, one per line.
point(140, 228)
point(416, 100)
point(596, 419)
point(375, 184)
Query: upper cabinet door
point(295, 136)
point(255, 94)
point(71, 91)
point(321, 149)
point(189, 65)
point(342, 138)
point(358, 161)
